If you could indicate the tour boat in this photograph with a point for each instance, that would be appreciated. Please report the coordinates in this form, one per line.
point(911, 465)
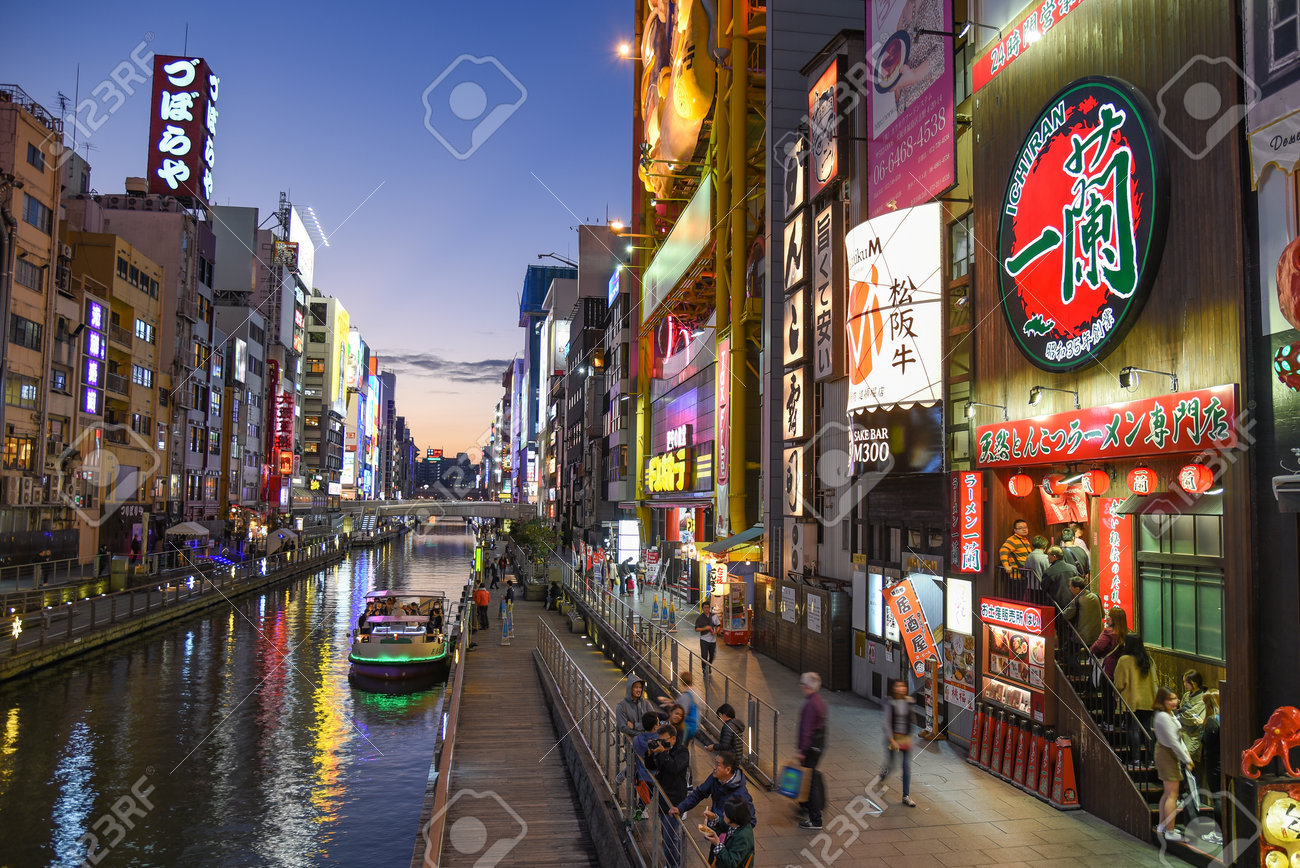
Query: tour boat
point(402, 645)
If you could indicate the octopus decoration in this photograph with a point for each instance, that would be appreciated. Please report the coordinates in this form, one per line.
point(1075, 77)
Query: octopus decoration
point(1281, 733)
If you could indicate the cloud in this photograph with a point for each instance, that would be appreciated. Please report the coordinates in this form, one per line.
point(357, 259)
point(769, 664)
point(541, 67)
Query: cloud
point(431, 365)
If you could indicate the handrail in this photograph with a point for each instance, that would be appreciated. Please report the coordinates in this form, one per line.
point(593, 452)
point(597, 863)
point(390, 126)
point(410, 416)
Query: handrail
point(654, 830)
point(661, 650)
point(48, 605)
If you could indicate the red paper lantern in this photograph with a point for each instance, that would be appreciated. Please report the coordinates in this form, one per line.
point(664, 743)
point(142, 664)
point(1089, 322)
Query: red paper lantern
point(1054, 484)
point(1020, 485)
point(1142, 480)
point(1195, 478)
point(1095, 482)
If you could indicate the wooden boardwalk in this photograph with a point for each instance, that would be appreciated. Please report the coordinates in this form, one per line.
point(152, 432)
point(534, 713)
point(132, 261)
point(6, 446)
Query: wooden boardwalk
point(511, 802)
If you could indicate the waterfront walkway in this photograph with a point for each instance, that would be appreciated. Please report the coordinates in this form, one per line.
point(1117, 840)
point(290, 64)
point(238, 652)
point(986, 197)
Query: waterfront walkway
point(510, 799)
point(965, 816)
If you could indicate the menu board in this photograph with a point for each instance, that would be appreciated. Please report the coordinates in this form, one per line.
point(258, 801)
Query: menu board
point(959, 670)
point(1018, 651)
point(1017, 656)
point(1013, 697)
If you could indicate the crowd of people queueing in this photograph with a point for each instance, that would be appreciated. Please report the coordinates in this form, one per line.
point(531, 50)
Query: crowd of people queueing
point(1183, 730)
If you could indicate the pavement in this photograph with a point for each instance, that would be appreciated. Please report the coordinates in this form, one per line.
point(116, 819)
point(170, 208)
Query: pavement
point(964, 816)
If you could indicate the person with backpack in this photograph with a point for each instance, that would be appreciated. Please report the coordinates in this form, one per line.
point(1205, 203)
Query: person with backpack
point(689, 703)
point(650, 724)
point(730, 731)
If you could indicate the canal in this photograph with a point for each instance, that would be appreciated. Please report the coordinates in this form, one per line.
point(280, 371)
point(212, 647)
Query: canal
point(233, 739)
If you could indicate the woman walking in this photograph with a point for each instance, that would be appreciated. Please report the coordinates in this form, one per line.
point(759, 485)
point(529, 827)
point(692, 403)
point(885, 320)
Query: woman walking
point(1171, 758)
point(898, 735)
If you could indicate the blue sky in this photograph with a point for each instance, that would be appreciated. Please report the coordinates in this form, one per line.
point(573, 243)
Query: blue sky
point(325, 101)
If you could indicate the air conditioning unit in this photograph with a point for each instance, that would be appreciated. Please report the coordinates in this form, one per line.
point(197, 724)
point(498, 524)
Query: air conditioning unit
point(25, 490)
point(150, 204)
point(65, 251)
point(133, 203)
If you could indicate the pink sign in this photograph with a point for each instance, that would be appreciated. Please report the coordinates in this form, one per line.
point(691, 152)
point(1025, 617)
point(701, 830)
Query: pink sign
point(910, 141)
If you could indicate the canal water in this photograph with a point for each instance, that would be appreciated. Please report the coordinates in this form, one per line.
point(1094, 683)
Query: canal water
point(233, 739)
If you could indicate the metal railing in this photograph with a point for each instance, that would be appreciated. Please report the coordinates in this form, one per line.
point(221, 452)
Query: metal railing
point(655, 837)
point(660, 653)
point(39, 619)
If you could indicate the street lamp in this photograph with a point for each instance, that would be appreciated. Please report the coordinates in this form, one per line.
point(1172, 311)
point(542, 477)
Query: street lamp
point(1036, 395)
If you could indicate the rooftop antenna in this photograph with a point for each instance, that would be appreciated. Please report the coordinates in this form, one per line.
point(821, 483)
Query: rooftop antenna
point(187, 38)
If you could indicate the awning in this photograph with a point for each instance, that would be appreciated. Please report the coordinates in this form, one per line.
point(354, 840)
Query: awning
point(1173, 503)
point(187, 528)
point(735, 540)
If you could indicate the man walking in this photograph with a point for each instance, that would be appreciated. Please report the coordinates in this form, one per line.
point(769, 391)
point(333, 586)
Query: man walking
point(1084, 610)
point(707, 626)
point(1015, 550)
point(1056, 580)
point(482, 599)
point(812, 742)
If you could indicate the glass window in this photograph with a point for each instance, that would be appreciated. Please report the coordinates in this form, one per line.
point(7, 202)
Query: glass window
point(1182, 608)
point(37, 214)
point(20, 391)
point(961, 239)
point(19, 452)
point(122, 268)
point(24, 332)
point(29, 275)
point(35, 158)
point(1283, 33)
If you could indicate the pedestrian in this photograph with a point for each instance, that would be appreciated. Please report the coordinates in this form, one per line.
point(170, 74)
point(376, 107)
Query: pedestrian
point(707, 626)
point(495, 574)
point(812, 743)
point(1110, 644)
point(1075, 551)
point(102, 561)
point(44, 568)
point(730, 731)
point(1191, 714)
point(650, 723)
point(1136, 683)
point(482, 599)
point(553, 595)
point(1015, 550)
point(1171, 758)
point(898, 738)
point(1211, 766)
point(726, 783)
point(1084, 611)
point(1036, 562)
point(1078, 536)
point(633, 707)
point(733, 844)
point(689, 702)
point(1056, 580)
point(668, 759)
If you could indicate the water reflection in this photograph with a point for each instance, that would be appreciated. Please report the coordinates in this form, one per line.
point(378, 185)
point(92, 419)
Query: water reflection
point(259, 749)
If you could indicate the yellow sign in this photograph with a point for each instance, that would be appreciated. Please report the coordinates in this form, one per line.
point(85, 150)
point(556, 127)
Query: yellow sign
point(670, 471)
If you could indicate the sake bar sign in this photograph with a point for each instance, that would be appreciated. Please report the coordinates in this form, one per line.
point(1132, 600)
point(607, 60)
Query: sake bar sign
point(1183, 422)
point(1082, 224)
point(1018, 39)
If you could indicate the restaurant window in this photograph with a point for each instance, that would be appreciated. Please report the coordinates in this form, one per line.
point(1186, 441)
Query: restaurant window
point(1195, 535)
point(18, 452)
point(1180, 583)
point(961, 238)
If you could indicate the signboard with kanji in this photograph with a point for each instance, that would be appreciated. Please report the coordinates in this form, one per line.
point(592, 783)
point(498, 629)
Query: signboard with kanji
point(966, 526)
point(1018, 616)
point(1017, 39)
point(915, 636)
point(1082, 225)
point(1114, 563)
point(1182, 422)
point(828, 293)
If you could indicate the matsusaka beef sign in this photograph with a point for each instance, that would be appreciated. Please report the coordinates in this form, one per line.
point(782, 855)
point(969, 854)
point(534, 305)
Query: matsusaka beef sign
point(1083, 223)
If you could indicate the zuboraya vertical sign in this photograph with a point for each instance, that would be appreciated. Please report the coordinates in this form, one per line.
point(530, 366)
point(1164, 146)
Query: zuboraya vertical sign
point(1082, 225)
point(183, 127)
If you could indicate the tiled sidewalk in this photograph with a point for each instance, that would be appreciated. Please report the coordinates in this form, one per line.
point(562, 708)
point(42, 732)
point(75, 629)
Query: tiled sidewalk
point(964, 816)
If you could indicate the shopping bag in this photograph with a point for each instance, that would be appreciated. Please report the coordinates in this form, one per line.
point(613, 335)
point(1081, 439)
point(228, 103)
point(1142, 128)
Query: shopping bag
point(1193, 794)
point(794, 781)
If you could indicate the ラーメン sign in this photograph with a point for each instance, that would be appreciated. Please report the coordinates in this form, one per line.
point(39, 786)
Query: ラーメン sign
point(1082, 224)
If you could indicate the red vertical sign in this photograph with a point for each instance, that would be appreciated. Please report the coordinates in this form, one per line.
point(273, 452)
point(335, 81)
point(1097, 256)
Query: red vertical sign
point(917, 638)
point(1114, 566)
point(967, 531)
point(182, 127)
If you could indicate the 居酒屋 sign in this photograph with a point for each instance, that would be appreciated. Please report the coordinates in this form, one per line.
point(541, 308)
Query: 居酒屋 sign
point(1182, 422)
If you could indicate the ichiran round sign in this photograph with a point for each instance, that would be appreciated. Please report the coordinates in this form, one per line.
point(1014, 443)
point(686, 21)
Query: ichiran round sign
point(1083, 223)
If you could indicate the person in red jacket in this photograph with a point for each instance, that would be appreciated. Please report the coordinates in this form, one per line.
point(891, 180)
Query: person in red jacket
point(482, 599)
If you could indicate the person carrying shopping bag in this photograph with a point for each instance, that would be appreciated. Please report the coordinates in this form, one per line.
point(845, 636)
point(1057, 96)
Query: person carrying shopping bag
point(1171, 758)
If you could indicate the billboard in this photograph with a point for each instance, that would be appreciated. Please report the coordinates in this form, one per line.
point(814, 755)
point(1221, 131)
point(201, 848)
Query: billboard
point(182, 127)
point(352, 369)
point(911, 150)
point(338, 390)
point(298, 235)
point(895, 316)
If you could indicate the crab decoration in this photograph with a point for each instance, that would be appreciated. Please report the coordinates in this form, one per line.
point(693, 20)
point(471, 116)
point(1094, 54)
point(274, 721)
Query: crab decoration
point(1281, 733)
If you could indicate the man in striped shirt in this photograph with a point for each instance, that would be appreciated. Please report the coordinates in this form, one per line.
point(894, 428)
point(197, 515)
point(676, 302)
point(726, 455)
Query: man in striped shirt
point(1016, 549)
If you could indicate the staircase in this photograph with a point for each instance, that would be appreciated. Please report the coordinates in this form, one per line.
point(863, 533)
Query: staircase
point(1114, 784)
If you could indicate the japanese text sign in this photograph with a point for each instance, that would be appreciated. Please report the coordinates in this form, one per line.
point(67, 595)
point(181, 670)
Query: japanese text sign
point(915, 632)
point(722, 393)
point(1017, 616)
point(1182, 422)
point(1016, 40)
point(911, 153)
point(1068, 505)
point(1114, 565)
point(828, 293)
point(670, 471)
point(794, 479)
point(966, 525)
point(796, 410)
point(1082, 225)
point(182, 127)
point(796, 328)
point(895, 320)
point(796, 249)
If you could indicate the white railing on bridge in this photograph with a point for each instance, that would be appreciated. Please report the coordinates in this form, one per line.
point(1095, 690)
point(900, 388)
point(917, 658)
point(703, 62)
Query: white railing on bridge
point(425, 510)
